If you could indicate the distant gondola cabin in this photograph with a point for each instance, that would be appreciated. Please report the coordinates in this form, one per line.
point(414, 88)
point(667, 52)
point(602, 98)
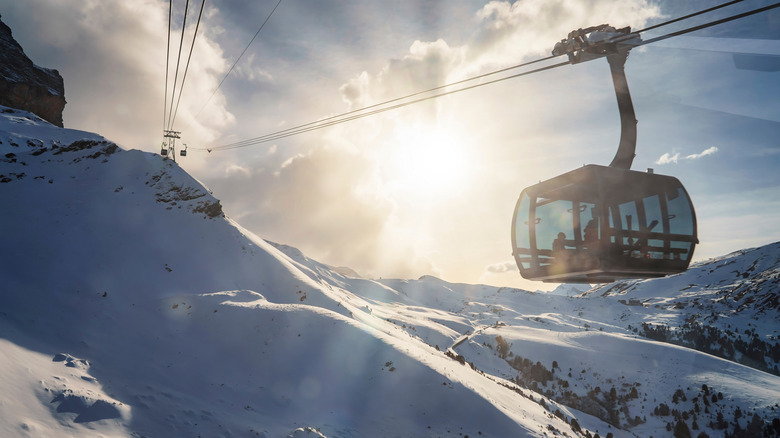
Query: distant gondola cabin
point(597, 224)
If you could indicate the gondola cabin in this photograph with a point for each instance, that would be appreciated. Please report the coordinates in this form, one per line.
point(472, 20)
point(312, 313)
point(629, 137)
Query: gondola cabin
point(597, 224)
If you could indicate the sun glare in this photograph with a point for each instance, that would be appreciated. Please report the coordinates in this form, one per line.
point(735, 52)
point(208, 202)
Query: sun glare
point(426, 161)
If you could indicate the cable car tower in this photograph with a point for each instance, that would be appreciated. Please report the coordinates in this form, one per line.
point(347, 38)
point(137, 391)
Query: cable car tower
point(171, 144)
point(597, 224)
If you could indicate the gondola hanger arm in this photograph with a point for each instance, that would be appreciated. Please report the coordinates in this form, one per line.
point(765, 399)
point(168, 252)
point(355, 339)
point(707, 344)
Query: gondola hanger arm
point(606, 41)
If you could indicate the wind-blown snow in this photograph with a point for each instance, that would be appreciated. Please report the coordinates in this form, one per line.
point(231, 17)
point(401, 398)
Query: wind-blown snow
point(132, 306)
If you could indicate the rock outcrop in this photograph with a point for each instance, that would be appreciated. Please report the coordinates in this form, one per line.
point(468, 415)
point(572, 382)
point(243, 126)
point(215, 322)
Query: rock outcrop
point(26, 86)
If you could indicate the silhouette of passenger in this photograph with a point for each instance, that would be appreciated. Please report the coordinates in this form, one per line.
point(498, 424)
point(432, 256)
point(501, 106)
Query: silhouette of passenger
point(591, 232)
point(559, 244)
point(559, 249)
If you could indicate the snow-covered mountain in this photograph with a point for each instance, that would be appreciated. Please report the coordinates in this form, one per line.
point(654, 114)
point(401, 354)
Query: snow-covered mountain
point(132, 306)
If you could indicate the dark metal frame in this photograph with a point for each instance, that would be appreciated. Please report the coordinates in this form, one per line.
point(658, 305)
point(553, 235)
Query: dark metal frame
point(607, 260)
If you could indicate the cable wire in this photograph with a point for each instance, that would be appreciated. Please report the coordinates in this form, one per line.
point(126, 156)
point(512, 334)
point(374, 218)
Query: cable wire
point(306, 128)
point(321, 121)
point(167, 59)
point(239, 58)
point(342, 118)
point(704, 11)
point(187, 67)
point(178, 61)
point(710, 24)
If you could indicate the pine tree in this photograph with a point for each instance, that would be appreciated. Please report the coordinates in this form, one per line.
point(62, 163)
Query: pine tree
point(755, 426)
point(681, 430)
point(575, 426)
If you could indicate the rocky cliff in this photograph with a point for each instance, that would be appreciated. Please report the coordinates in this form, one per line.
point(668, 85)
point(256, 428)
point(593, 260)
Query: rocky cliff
point(26, 86)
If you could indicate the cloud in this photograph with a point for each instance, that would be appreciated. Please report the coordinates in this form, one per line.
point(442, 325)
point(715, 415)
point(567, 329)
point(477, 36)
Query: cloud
point(509, 32)
point(704, 153)
point(235, 169)
point(506, 34)
point(668, 158)
point(499, 268)
point(425, 65)
point(247, 70)
point(328, 203)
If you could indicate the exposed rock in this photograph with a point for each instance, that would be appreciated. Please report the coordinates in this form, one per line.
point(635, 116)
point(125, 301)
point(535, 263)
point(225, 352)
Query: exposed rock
point(26, 86)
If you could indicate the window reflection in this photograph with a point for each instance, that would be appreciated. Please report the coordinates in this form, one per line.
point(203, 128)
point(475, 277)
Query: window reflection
point(553, 217)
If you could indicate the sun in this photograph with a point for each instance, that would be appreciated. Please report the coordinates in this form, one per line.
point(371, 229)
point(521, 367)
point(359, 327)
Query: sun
point(426, 160)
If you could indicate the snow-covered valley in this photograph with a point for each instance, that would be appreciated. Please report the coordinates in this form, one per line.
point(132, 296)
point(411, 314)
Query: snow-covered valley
point(132, 306)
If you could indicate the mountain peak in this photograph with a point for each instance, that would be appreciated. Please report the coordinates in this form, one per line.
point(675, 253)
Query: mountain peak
point(26, 86)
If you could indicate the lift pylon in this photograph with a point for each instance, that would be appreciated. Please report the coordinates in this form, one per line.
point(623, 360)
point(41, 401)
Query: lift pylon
point(172, 135)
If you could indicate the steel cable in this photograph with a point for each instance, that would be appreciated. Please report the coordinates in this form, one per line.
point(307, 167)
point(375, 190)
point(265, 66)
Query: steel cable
point(187, 67)
point(178, 62)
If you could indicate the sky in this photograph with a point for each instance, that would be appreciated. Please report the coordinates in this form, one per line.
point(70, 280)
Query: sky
point(428, 189)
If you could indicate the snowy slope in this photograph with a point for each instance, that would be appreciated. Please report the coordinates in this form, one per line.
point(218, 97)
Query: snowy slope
point(575, 350)
point(180, 323)
point(132, 306)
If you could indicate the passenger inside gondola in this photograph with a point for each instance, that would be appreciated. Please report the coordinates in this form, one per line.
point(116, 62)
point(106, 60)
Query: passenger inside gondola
point(589, 257)
point(591, 236)
point(559, 244)
point(560, 254)
point(559, 249)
